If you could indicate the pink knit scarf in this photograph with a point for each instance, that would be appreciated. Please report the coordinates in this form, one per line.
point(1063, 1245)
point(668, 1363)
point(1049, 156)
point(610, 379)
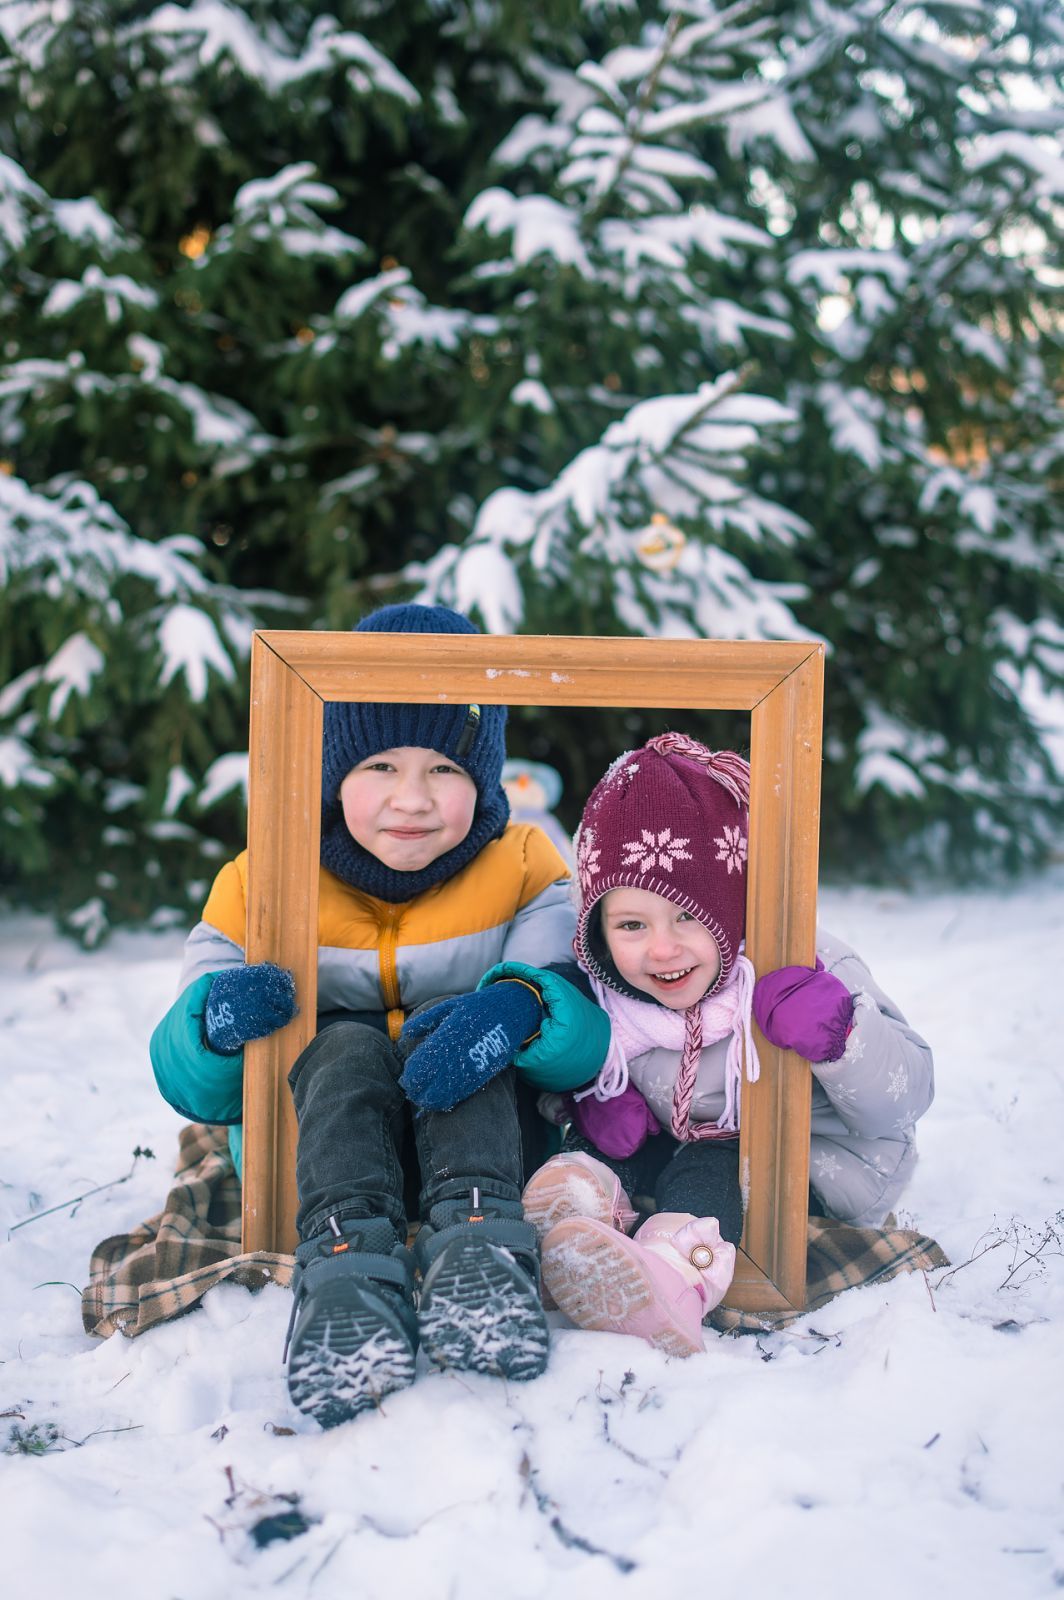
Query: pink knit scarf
point(637, 1026)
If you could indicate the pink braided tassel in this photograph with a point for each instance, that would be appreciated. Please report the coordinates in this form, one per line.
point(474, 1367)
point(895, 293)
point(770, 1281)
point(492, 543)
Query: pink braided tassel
point(687, 1072)
point(741, 1044)
point(684, 1088)
point(728, 768)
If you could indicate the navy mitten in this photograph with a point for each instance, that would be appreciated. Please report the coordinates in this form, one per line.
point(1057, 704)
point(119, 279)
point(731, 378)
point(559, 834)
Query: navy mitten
point(462, 1044)
point(248, 1003)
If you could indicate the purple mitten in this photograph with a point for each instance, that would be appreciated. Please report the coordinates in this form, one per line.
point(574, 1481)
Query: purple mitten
point(617, 1127)
point(804, 1009)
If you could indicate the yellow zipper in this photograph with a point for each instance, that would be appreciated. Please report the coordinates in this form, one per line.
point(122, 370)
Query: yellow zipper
point(389, 971)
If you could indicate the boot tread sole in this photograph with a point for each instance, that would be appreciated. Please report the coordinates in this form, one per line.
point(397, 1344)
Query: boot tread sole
point(552, 1196)
point(480, 1312)
point(346, 1355)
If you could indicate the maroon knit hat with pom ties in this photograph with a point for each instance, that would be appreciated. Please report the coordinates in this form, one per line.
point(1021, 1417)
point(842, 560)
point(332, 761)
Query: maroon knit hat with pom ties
point(673, 818)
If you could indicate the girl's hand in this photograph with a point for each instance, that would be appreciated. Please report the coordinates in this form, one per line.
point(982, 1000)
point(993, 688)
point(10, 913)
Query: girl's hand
point(804, 1009)
point(617, 1127)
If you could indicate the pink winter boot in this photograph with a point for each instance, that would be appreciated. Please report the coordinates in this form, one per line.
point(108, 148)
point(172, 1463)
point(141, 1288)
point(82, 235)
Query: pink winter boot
point(658, 1285)
point(575, 1185)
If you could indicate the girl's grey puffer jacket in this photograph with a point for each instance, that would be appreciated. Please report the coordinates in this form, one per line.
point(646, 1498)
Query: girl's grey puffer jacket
point(865, 1105)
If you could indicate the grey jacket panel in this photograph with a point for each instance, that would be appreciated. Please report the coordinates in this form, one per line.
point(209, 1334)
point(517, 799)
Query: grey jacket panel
point(349, 980)
point(860, 1180)
point(541, 932)
point(547, 923)
point(885, 1078)
point(207, 950)
point(864, 1106)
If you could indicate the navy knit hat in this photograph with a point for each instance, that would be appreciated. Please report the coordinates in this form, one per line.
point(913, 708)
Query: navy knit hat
point(471, 736)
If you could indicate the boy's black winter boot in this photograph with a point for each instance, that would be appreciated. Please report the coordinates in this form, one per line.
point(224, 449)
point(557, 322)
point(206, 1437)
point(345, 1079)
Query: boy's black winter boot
point(480, 1308)
point(352, 1338)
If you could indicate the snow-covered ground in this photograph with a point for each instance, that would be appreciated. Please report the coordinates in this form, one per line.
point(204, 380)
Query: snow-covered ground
point(907, 1439)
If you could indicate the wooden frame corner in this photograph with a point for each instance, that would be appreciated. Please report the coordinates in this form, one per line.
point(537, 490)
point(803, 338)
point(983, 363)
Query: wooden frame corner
point(779, 684)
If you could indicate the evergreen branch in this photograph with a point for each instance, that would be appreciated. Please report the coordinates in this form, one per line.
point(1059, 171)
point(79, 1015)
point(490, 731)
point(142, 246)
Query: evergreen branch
point(736, 382)
point(643, 104)
point(961, 251)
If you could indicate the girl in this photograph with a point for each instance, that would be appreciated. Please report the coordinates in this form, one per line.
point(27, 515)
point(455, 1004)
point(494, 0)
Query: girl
point(661, 860)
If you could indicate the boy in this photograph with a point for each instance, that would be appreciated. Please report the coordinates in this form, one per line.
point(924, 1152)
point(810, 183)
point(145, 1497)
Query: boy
point(423, 888)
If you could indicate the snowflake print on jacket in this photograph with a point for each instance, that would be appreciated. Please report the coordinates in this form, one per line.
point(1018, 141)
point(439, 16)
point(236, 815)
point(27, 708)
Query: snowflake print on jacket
point(655, 850)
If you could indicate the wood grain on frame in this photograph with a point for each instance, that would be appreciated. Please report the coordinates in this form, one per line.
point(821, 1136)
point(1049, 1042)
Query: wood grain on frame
point(779, 683)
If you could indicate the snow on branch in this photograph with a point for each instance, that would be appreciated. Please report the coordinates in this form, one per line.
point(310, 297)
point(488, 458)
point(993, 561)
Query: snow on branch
point(405, 317)
point(829, 269)
point(72, 540)
point(191, 647)
point(214, 421)
point(20, 197)
point(716, 107)
point(73, 669)
point(25, 209)
point(538, 224)
point(113, 292)
point(67, 547)
point(887, 752)
point(226, 775)
point(1040, 159)
point(678, 455)
point(210, 33)
point(281, 210)
point(19, 767)
point(86, 222)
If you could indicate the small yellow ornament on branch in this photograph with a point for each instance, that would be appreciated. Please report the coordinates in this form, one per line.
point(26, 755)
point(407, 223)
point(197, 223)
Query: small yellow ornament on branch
point(659, 545)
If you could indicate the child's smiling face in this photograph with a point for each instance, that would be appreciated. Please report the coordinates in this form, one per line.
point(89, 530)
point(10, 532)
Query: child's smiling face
point(408, 806)
point(659, 949)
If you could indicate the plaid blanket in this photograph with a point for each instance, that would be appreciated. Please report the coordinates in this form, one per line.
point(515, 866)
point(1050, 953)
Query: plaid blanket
point(840, 1256)
point(166, 1266)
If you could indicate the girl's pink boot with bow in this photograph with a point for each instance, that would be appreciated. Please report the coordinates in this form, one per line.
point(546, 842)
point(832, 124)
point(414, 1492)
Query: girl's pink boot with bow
point(575, 1185)
point(658, 1285)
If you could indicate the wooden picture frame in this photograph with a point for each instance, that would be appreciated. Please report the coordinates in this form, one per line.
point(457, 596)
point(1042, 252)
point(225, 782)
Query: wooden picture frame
point(779, 684)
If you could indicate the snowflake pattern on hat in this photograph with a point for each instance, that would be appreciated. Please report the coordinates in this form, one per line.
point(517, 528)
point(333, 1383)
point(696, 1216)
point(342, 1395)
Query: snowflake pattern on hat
point(655, 850)
point(731, 847)
point(587, 856)
point(671, 817)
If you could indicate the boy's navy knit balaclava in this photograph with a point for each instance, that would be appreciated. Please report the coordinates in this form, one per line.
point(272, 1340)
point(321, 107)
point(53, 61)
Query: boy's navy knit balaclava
point(473, 737)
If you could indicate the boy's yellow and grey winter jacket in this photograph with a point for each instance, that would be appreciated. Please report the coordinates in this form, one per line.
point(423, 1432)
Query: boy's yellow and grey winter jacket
point(379, 961)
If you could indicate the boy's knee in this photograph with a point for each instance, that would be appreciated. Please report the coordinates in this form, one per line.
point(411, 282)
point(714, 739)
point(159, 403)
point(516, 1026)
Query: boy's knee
point(337, 1048)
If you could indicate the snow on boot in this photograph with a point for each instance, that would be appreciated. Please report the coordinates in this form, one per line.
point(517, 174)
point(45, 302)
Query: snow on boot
point(658, 1285)
point(480, 1307)
point(575, 1185)
point(352, 1337)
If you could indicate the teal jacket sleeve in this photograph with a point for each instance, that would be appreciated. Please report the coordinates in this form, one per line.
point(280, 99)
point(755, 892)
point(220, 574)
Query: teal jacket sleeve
point(574, 1035)
point(193, 1078)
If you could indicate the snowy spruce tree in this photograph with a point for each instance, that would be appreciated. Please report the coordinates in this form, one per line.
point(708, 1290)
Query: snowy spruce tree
point(620, 283)
point(921, 243)
point(172, 468)
point(708, 320)
point(882, 188)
